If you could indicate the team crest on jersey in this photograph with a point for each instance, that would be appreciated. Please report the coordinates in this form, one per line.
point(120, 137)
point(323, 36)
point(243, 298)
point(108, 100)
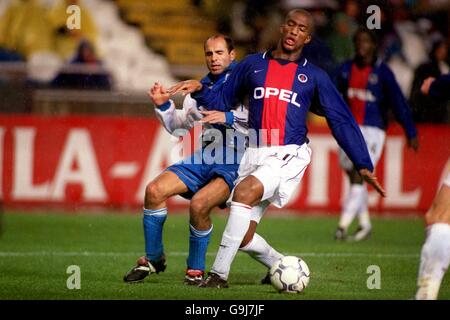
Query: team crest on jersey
point(373, 79)
point(302, 78)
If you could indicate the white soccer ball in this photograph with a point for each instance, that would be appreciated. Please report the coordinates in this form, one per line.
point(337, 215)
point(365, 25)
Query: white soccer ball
point(289, 274)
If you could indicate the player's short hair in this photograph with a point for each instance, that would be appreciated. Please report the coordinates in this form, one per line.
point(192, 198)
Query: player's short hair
point(228, 40)
point(306, 13)
point(373, 36)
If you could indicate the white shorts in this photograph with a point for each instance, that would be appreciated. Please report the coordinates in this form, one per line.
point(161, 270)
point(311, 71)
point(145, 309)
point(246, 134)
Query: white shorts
point(279, 168)
point(374, 138)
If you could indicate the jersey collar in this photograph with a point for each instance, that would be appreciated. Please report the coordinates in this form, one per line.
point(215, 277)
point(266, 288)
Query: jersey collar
point(300, 61)
point(211, 79)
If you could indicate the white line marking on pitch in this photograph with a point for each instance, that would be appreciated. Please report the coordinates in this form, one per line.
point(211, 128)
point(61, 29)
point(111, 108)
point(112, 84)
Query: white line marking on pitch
point(115, 254)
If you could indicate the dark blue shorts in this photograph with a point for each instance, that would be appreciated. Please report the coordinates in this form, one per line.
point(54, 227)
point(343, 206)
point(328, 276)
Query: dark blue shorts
point(196, 173)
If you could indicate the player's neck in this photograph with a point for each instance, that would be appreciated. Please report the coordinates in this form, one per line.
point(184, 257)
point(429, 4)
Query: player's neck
point(365, 61)
point(279, 53)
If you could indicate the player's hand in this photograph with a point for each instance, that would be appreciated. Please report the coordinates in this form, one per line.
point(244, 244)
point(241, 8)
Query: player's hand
point(413, 143)
point(158, 95)
point(185, 87)
point(425, 87)
point(213, 117)
point(372, 180)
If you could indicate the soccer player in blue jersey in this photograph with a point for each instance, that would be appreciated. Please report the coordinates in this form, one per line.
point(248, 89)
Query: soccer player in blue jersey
point(370, 89)
point(281, 86)
point(207, 183)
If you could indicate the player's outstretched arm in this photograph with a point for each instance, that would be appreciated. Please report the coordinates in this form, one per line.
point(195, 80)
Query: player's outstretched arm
point(371, 179)
point(171, 118)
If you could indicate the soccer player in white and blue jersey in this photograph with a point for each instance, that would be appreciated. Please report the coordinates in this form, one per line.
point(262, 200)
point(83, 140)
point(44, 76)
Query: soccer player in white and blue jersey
point(205, 179)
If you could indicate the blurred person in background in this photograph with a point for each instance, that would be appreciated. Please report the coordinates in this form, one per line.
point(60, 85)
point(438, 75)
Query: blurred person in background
point(345, 24)
point(370, 89)
point(67, 41)
point(92, 78)
point(24, 30)
point(426, 108)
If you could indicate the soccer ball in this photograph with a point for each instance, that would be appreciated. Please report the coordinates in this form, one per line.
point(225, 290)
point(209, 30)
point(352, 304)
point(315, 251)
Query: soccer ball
point(289, 274)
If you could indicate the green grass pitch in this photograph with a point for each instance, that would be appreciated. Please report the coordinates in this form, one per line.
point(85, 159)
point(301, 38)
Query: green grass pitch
point(37, 248)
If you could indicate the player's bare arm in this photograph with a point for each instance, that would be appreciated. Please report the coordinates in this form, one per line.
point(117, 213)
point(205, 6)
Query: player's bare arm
point(185, 87)
point(425, 88)
point(371, 179)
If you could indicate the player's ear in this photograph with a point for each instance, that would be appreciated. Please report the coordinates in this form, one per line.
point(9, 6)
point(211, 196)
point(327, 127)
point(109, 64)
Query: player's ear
point(308, 39)
point(232, 55)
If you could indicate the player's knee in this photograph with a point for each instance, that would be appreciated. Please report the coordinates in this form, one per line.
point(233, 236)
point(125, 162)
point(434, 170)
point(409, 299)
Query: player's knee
point(247, 193)
point(154, 194)
point(247, 239)
point(199, 207)
point(432, 216)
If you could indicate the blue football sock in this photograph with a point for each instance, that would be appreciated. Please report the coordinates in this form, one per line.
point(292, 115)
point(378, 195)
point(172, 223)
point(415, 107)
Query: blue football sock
point(198, 244)
point(153, 229)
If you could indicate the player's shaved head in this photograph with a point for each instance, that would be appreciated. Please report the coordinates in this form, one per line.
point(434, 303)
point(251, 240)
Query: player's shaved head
point(229, 42)
point(305, 13)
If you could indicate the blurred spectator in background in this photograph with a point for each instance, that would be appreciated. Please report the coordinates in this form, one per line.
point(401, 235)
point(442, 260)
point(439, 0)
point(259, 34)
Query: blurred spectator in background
point(344, 26)
point(67, 41)
point(427, 108)
point(24, 30)
point(89, 76)
point(318, 52)
point(264, 18)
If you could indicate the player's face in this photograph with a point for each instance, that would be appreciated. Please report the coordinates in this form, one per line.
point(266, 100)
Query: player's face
point(364, 46)
point(217, 56)
point(296, 32)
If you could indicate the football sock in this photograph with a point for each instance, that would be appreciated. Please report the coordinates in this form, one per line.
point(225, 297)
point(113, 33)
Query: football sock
point(363, 213)
point(153, 229)
point(352, 205)
point(198, 244)
point(434, 260)
point(261, 251)
point(237, 225)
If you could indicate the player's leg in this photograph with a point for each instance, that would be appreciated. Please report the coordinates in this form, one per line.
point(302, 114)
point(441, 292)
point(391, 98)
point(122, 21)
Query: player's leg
point(435, 255)
point(215, 193)
point(374, 138)
point(356, 202)
point(247, 193)
point(157, 192)
point(279, 173)
point(353, 203)
point(256, 246)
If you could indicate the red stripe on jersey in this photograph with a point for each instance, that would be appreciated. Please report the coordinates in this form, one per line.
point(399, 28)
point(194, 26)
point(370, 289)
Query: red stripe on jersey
point(278, 77)
point(357, 91)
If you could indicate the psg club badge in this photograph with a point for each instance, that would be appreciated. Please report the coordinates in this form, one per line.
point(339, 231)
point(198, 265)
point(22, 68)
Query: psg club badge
point(302, 78)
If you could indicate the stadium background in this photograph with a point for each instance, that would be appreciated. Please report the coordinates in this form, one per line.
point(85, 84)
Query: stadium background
point(78, 134)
